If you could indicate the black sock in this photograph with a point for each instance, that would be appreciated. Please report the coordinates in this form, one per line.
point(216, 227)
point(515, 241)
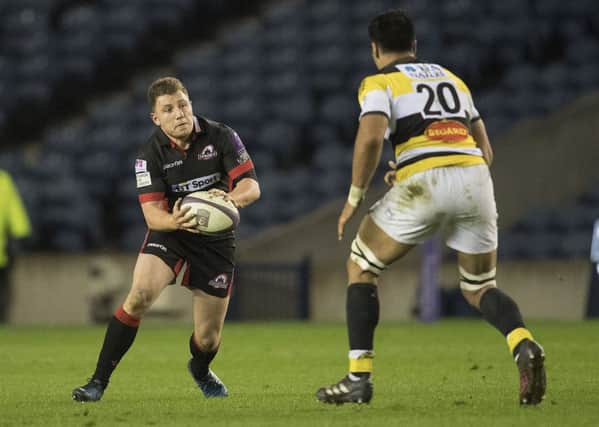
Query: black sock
point(500, 311)
point(120, 334)
point(201, 359)
point(362, 311)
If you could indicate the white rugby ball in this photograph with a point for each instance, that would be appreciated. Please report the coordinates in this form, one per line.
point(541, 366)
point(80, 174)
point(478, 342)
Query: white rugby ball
point(213, 213)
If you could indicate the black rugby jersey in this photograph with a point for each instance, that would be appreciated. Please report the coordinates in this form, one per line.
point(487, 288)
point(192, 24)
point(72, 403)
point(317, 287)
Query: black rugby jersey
point(216, 158)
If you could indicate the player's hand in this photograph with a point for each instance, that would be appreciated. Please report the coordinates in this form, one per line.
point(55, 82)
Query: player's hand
point(184, 220)
point(390, 175)
point(346, 214)
point(220, 193)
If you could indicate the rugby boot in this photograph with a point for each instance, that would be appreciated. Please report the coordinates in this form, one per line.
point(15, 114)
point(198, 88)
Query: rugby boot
point(90, 392)
point(346, 391)
point(210, 384)
point(530, 360)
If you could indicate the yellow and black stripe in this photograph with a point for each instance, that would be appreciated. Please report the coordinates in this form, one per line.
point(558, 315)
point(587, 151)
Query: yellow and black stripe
point(430, 113)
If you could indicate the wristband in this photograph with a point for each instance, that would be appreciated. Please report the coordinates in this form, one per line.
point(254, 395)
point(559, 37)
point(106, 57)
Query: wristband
point(355, 196)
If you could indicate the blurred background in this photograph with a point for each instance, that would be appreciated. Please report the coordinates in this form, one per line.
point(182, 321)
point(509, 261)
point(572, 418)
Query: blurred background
point(284, 74)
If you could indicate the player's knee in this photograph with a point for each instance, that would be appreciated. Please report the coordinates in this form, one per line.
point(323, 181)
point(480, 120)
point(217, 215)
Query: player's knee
point(208, 341)
point(139, 301)
point(473, 286)
point(364, 258)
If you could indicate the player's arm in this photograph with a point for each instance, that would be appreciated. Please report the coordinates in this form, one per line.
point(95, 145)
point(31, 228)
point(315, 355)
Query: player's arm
point(245, 192)
point(151, 190)
point(367, 154)
point(368, 148)
point(479, 133)
point(159, 219)
point(243, 182)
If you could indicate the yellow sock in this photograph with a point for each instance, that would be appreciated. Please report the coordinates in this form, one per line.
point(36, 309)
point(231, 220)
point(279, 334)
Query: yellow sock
point(516, 336)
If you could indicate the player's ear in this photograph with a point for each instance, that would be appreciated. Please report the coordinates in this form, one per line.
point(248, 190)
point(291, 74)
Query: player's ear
point(154, 118)
point(375, 50)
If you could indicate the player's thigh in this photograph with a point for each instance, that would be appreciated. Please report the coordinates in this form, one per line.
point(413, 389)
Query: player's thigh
point(385, 247)
point(472, 213)
point(150, 276)
point(372, 251)
point(209, 313)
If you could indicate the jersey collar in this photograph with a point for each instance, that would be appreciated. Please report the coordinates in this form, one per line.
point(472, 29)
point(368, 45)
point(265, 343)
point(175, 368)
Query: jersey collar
point(391, 66)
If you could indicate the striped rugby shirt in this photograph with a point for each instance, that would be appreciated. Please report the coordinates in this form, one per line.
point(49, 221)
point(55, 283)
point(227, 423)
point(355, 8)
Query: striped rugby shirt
point(430, 112)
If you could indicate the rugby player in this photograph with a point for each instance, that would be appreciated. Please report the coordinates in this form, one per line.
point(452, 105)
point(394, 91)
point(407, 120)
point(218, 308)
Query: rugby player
point(442, 182)
point(186, 153)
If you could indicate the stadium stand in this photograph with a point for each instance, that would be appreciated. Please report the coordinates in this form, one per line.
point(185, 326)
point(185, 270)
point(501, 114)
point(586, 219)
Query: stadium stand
point(285, 79)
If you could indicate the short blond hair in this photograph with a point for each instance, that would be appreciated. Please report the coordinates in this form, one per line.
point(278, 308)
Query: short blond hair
point(164, 86)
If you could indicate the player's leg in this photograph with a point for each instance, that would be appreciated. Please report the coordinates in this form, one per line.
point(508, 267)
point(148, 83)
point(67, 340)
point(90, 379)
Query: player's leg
point(208, 318)
point(478, 285)
point(210, 277)
point(371, 252)
point(473, 235)
point(151, 275)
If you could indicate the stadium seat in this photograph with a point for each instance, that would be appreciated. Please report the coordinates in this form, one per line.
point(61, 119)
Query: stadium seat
point(286, 81)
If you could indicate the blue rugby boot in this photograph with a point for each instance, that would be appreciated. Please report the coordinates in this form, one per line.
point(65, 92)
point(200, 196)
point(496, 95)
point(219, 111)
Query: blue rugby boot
point(210, 384)
point(90, 392)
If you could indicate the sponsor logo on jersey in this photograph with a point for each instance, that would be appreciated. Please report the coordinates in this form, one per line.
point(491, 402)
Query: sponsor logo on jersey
point(157, 245)
point(446, 130)
point(141, 165)
point(242, 156)
point(172, 164)
point(220, 282)
point(143, 179)
point(195, 184)
point(422, 71)
point(209, 152)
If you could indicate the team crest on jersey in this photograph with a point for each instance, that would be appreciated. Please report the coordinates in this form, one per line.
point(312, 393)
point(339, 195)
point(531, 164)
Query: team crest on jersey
point(141, 166)
point(220, 282)
point(209, 152)
point(446, 130)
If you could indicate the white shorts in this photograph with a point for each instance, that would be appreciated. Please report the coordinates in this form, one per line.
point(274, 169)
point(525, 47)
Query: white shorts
point(457, 200)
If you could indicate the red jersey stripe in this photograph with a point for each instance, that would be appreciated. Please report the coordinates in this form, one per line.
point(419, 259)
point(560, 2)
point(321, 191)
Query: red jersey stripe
point(151, 197)
point(246, 166)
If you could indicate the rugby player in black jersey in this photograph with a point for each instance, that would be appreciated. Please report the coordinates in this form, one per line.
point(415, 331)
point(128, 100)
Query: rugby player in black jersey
point(186, 153)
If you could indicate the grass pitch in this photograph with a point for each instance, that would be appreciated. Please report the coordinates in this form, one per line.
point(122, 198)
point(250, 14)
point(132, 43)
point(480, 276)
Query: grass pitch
point(454, 373)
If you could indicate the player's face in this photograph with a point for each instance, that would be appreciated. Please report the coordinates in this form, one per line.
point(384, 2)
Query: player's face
point(174, 115)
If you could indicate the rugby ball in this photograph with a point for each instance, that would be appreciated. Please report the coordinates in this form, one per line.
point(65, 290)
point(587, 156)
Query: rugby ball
point(213, 213)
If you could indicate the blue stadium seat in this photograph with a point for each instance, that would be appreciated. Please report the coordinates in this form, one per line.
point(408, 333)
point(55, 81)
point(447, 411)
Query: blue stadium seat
point(535, 222)
point(132, 238)
point(283, 14)
point(340, 109)
point(293, 35)
point(297, 108)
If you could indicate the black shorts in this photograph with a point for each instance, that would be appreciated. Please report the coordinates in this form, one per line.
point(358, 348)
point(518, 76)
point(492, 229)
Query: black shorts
point(210, 259)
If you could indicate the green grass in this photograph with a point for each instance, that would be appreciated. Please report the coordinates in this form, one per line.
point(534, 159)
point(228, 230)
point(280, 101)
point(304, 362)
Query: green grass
point(454, 373)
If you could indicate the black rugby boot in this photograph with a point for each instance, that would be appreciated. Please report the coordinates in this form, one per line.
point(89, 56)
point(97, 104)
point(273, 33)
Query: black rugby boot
point(346, 391)
point(531, 364)
point(90, 392)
